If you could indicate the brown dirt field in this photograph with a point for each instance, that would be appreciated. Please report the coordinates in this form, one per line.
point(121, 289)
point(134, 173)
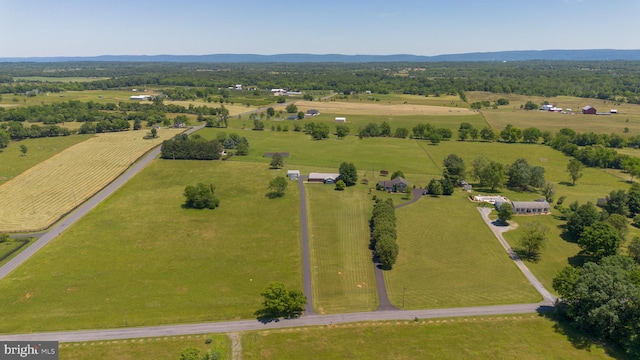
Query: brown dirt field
point(335, 107)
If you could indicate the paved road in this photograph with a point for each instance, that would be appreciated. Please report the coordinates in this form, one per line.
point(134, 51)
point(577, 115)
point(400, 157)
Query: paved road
point(309, 319)
point(82, 210)
point(497, 231)
point(247, 325)
point(306, 264)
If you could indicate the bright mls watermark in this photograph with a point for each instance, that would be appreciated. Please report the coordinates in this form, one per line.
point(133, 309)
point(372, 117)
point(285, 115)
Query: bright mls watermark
point(44, 350)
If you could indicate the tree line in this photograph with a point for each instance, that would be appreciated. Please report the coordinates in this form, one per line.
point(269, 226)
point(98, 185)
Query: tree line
point(383, 233)
point(586, 79)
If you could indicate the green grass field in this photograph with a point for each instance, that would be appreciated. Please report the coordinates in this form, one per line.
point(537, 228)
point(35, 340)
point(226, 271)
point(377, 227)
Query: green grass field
point(526, 336)
point(449, 258)
point(159, 348)
point(555, 256)
point(13, 163)
point(140, 259)
point(342, 270)
point(11, 248)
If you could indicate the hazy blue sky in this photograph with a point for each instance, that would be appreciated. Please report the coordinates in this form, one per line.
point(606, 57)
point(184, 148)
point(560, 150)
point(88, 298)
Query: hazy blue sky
point(426, 27)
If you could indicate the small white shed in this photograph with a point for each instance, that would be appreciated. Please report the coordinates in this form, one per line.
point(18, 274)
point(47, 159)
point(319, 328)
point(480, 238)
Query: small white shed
point(341, 119)
point(293, 174)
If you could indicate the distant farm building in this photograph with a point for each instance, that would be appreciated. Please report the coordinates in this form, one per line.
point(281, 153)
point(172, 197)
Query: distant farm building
point(589, 110)
point(613, 111)
point(326, 178)
point(140, 97)
point(399, 184)
point(546, 107)
point(555, 109)
point(341, 119)
point(312, 112)
point(293, 174)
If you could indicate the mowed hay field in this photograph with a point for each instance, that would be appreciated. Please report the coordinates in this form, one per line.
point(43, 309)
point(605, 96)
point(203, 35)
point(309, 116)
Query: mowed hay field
point(342, 271)
point(13, 163)
point(449, 258)
point(140, 259)
point(628, 114)
point(526, 336)
point(380, 108)
point(47, 191)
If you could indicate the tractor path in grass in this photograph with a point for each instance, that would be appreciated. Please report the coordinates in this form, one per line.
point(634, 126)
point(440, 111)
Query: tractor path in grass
point(497, 231)
point(45, 237)
point(249, 325)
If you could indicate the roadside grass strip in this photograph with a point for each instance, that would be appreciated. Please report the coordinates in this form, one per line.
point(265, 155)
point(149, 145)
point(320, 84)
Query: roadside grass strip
point(46, 192)
point(525, 336)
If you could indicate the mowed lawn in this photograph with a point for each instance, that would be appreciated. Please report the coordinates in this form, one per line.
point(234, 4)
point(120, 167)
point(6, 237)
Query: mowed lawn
point(342, 270)
point(449, 258)
point(141, 259)
point(554, 257)
point(526, 337)
point(159, 348)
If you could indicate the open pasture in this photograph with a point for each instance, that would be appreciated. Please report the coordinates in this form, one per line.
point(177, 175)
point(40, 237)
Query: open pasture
point(378, 108)
point(159, 348)
point(140, 259)
point(443, 100)
point(306, 154)
point(546, 120)
point(42, 194)
point(13, 163)
point(574, 103)
point(342, 270)
point(449, 258)
point(526, 336)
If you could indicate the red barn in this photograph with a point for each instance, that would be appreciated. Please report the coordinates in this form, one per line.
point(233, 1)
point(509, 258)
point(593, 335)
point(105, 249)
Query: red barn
point(589, 110)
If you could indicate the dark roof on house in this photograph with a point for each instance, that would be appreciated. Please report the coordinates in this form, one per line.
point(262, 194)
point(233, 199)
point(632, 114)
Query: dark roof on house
point(392, 183)
point(587, 108)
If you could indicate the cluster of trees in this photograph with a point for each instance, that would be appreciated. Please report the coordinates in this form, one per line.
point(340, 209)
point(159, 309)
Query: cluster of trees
point(235, 142)
point(277, 186)
point(519, 175)
point(201, 196)
point(601, 233)
point(17, 131)
point(317, 130)
point(454, 172)
point(603, 299)
point(383, 233)
point(195, 147)
point(348, 173)
point(486, 103)
point(588, 79)
point(430, 132)
point(278, 302)
point(89, 127)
